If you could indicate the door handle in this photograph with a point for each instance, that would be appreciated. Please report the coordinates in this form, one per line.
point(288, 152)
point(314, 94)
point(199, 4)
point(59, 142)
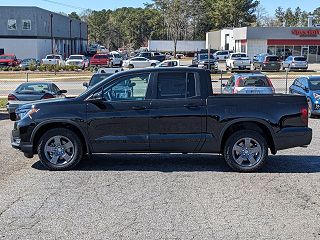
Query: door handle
point(138, 108)
point(190, 106)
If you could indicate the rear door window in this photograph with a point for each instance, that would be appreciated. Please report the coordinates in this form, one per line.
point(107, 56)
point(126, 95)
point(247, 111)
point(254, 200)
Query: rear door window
point(177, 85)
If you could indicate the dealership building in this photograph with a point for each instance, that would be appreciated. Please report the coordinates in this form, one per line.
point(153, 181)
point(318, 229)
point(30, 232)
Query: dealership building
point(32, 32)
point(281, 41)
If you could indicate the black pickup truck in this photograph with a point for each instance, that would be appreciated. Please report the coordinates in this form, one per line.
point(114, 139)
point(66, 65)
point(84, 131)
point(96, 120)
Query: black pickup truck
point(154, 110)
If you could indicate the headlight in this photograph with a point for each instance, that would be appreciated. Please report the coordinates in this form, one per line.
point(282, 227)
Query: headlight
point(26, 112)
point(316, 96)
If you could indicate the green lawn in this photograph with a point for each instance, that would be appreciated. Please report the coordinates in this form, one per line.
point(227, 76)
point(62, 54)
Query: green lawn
point(3, 102)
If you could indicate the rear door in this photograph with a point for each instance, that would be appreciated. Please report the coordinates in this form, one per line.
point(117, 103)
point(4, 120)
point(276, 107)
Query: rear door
point(177, 112)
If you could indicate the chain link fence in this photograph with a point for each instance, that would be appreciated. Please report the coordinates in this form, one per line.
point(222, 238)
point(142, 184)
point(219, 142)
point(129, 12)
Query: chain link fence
point(73, 81)
point(281, 81)
point(70, 81)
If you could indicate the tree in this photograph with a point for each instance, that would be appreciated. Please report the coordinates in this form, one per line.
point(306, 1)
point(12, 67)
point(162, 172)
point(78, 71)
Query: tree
point(232, 13)
point(176, 15)
point(74, 15)
point(280, 16)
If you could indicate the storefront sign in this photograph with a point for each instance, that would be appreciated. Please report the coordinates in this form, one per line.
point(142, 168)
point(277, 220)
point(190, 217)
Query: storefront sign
point(306, 33)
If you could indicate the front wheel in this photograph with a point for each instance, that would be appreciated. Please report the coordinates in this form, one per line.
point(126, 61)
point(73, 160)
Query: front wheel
point(246, 151)
point(60, 149)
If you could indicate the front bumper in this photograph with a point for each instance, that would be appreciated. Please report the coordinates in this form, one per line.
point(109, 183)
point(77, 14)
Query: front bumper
point(292, 137)
point(21, 136)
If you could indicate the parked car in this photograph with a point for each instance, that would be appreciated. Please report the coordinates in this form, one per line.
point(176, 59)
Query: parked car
point(169, 63)
point(116, 59)
point(100, 76)
point(9, 60)
point(203, 60)
point(79, 61)
point(29, 92)
point(161, 110)
point(267, 62)
point(27, 62)
point(295, 63)
point(53, 59)
point(140, 62)
point(238, 61)
point(221, 55)
point(308, 86)
point(249, 83)
point(101, 60)
point(152, 56)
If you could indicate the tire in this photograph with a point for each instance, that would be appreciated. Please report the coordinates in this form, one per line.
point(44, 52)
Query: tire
point(66, 156)
point(12, 116)
point(153, 65)
point(130, 66)
point(252, 145)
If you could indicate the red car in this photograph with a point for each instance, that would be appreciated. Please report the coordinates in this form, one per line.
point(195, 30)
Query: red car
point(101, 60)
point(9, 60)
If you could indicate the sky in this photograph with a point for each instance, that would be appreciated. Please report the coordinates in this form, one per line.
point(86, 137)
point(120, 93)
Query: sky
point(78, 6)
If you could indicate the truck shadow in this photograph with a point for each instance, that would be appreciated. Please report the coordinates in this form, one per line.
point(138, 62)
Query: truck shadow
point(190, 163)
point(4, 116)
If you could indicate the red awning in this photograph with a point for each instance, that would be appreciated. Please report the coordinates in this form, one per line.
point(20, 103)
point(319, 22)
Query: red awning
point(295, 42)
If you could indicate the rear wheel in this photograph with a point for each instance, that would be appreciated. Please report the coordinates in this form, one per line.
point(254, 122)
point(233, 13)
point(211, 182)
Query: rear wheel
point(246, 151)
point(60, 149)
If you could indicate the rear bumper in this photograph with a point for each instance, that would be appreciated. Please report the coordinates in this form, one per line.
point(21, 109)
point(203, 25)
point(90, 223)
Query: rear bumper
point(293, 137)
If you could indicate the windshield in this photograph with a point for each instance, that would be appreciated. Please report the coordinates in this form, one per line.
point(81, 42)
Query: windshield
point(302, 59)
point(33, 88)
point(239, 55)
point(98, 78)
point(314, 84)
point(75, 57)
point(205, 56)
point(254, 81)
point(6, 57)
point(28, 60)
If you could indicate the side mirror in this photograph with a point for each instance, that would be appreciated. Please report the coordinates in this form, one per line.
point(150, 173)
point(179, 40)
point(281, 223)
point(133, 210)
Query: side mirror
point(132, 84)
point(62, 91)
point(97, 97)
point(85, 84)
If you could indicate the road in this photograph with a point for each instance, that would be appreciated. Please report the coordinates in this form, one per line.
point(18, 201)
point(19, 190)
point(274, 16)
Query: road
point(160, 197)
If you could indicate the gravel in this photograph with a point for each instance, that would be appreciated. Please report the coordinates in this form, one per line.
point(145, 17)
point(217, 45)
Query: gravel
point(160, 197)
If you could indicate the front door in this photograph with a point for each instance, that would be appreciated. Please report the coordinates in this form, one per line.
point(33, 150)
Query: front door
point(119, 123)
point(177, 114)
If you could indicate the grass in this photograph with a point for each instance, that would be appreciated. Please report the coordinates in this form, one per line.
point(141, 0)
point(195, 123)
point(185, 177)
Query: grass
point(3, 102)
point(23, 75)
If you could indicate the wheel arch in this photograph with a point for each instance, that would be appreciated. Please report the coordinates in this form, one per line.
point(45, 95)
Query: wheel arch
point(249, 124)
point(48, 125)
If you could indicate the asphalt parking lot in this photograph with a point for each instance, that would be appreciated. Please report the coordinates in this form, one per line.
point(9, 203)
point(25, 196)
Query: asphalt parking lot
point(160, 197)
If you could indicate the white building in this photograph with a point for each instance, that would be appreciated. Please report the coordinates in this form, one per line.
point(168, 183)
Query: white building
point(32, 32)
point(182, 46)
point(282, 41)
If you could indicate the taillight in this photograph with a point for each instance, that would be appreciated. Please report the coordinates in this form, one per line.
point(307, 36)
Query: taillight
point(304, 115)
point(47, 96)
point(270, 85)
point(12, 97)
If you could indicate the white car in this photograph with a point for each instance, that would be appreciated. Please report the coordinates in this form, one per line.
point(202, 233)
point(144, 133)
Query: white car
point(169, 63)
point(221, 55)
point(53, 59)
point(78, 60)
point(238, 61)
point(109, 70)
point(140, 62)
point(116, 59)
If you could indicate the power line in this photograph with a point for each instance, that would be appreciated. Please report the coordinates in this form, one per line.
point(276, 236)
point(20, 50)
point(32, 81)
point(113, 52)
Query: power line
point(64, 5)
